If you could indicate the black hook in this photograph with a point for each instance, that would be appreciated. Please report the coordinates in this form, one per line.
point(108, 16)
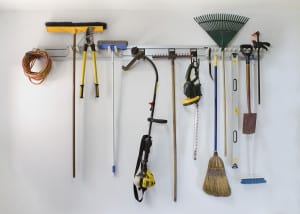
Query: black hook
point(138, 54)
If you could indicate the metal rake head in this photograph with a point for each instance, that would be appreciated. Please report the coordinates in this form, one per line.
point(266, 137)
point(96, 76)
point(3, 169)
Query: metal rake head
point(221, 27)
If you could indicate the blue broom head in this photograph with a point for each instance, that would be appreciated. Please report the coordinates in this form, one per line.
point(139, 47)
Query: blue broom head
point(112, 44)
point(253, 181)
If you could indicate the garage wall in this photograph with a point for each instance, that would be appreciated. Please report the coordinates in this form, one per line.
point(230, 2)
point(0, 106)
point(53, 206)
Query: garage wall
point(36, 135)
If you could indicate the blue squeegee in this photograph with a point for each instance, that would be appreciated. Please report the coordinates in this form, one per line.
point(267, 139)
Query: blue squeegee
point(253, 180)
point(113, 46)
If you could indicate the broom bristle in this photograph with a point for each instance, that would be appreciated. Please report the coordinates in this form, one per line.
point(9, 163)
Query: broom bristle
point(216, 182)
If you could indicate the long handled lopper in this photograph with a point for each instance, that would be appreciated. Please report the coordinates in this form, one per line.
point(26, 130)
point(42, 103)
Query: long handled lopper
point(74, 28)
point(144, 179)
point(113, 46)
point(172, 56)
point(89, 43)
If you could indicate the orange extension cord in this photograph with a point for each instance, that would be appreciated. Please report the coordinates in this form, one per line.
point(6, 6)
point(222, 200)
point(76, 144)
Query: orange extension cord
point(28, 63)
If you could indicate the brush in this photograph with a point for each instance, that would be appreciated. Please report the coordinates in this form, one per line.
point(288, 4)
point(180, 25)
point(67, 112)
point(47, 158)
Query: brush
point(216, 182)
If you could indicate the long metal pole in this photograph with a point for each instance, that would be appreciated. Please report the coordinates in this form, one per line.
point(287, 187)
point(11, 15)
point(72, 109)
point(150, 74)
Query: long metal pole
point(174, 129)
point(73, 110)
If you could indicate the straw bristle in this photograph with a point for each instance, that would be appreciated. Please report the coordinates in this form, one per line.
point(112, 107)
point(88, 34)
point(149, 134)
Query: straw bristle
point(216, 182)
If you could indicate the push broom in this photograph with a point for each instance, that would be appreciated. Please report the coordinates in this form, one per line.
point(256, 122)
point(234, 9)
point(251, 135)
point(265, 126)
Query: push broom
point(74, 28)
point(113, 46)
point(222, 28)
point(216, 182)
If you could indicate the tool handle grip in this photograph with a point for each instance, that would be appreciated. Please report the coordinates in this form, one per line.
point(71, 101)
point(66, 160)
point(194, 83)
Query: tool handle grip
point(97, 90)
point(81, 91)
point(157, 120)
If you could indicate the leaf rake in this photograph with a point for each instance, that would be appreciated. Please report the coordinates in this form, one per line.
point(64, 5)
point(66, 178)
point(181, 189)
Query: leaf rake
point(222, 28)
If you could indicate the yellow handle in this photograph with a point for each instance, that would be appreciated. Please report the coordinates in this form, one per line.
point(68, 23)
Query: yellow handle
point(73, 29)
point(215, 60)
point(95, 73)
point(82, 73)
point(95, 67)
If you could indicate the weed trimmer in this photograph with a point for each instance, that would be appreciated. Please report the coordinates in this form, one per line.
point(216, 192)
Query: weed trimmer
point(172, 56)
point(222, 28)
point(74, 28)
point(192, 89)
point(216, 182)
point(113, 46)
point(251, 179)
point(258, 45)
point(249, 120)
point(144, 179)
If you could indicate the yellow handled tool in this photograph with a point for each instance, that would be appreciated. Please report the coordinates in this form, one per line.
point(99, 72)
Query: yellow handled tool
point(89, 43)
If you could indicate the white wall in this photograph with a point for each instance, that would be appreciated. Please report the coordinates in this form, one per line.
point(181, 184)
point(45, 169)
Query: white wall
point(35, 152)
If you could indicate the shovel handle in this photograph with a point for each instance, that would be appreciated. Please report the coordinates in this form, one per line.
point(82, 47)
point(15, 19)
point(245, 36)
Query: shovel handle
point(248, 86)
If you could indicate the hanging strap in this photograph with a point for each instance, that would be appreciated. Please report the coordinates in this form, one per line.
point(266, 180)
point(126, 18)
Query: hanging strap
point(145, 145)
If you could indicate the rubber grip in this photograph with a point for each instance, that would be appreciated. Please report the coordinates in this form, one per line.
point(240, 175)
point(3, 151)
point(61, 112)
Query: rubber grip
point(157, 120)
point(97, 90)
point(81, 91)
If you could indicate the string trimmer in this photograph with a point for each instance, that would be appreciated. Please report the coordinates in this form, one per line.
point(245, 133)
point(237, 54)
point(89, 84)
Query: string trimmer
point(192, 89)
point(144, 179)
point(113, 46)
point(222, 28)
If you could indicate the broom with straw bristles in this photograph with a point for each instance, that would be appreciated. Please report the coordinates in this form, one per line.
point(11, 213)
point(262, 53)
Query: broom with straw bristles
point(216, 182)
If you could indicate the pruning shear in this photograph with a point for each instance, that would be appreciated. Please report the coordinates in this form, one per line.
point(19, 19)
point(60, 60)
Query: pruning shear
point(89, 43)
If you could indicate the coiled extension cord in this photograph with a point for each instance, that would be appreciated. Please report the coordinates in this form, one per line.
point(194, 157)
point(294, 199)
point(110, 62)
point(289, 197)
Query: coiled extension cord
point(28, 62)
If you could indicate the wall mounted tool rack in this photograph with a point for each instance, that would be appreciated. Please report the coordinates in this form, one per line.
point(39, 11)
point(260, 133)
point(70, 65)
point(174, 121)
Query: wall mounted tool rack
point(62, 53)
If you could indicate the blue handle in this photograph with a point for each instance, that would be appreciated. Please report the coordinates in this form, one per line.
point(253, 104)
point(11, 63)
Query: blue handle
point(216, 105)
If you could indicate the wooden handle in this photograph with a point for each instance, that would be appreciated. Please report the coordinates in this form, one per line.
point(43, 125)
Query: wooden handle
point(248, 87)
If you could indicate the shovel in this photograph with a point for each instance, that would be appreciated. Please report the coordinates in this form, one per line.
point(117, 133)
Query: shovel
point(249, 120)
